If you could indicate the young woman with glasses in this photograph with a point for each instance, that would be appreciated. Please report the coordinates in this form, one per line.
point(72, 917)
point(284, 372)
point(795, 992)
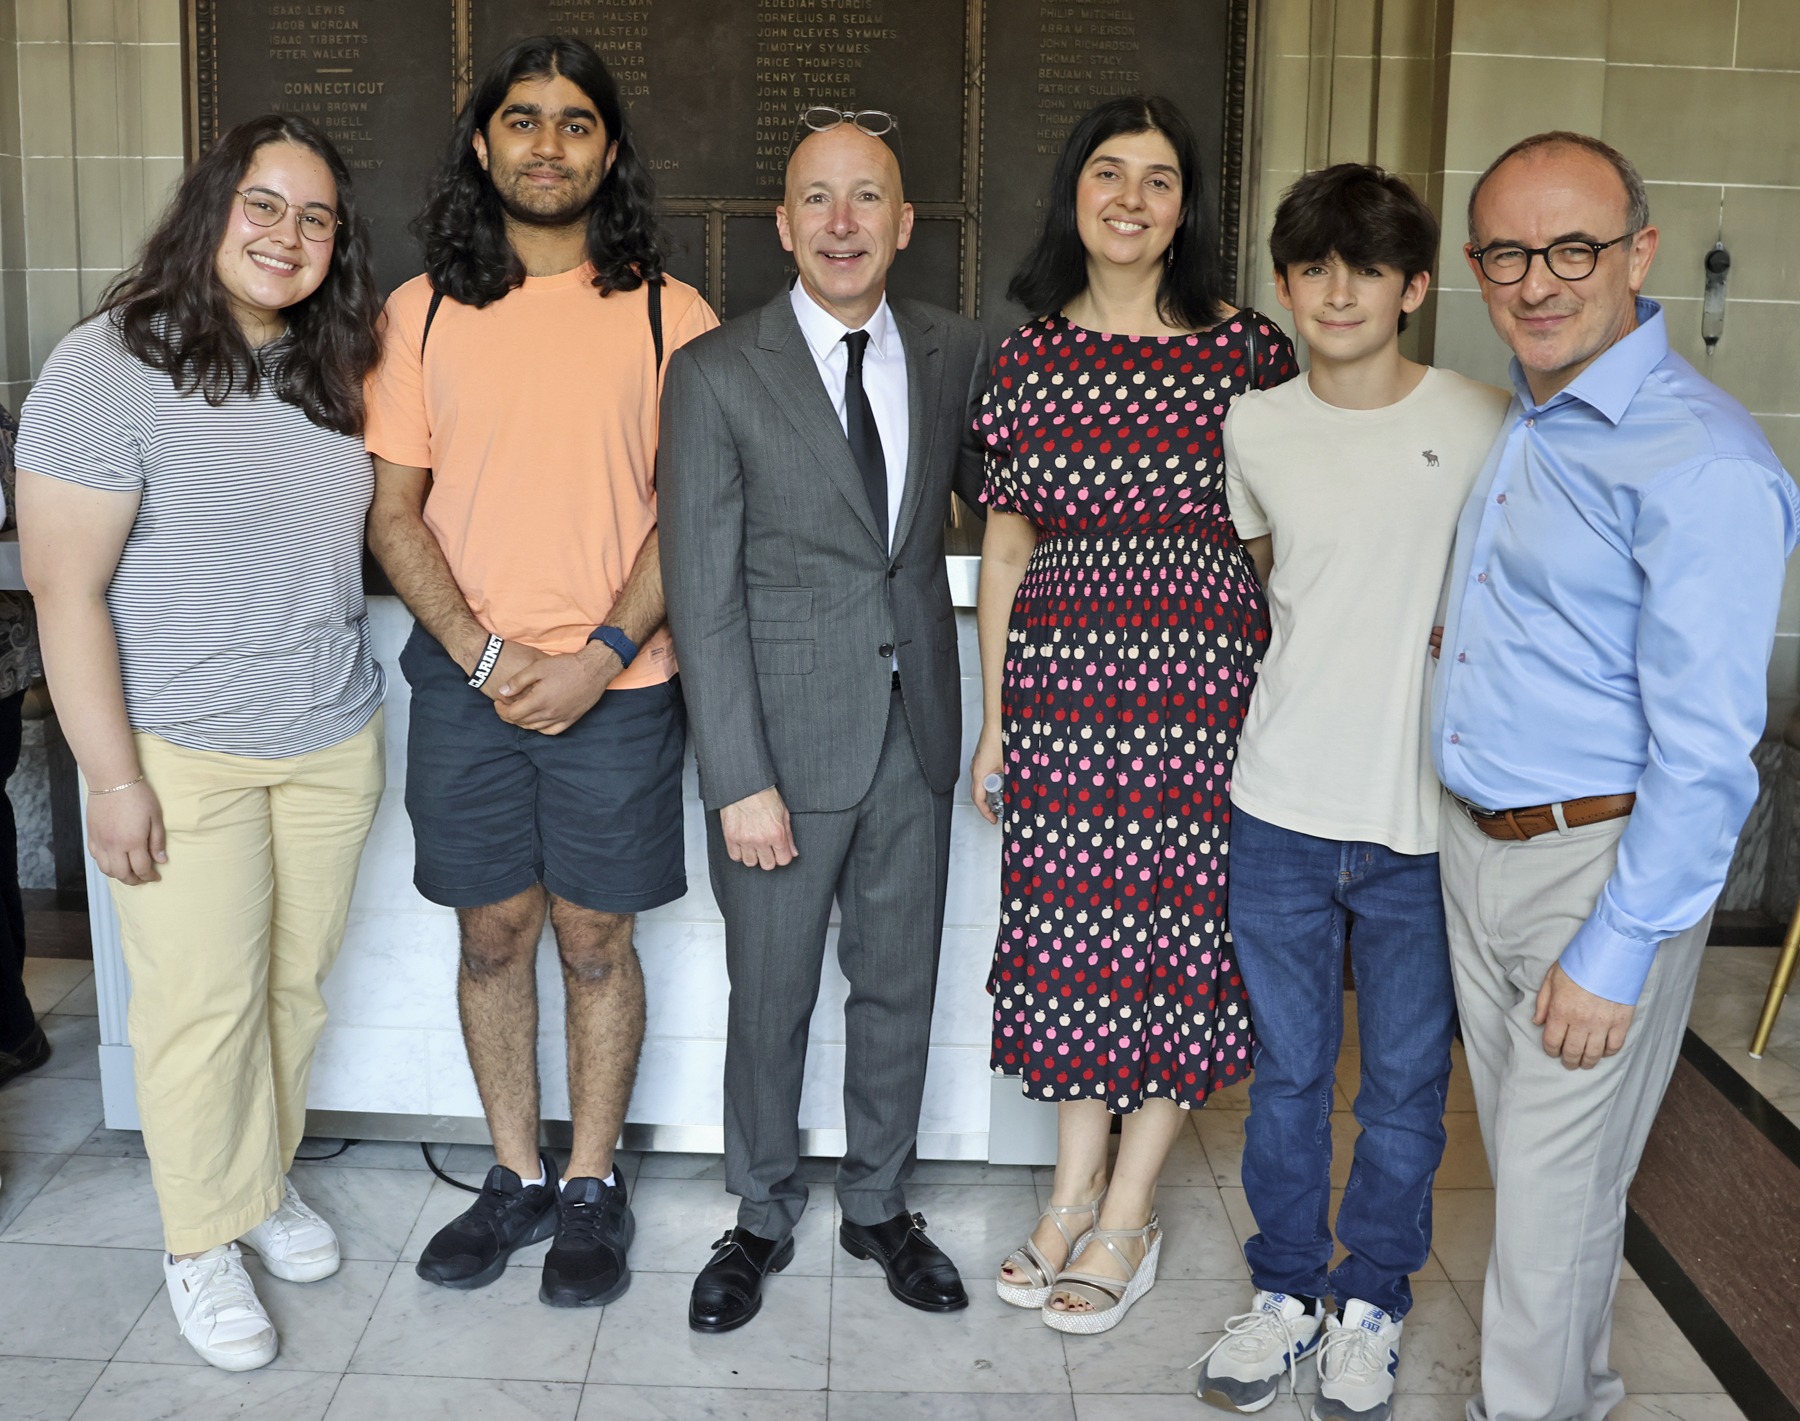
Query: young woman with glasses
point(192, 491)
point(1121, 624)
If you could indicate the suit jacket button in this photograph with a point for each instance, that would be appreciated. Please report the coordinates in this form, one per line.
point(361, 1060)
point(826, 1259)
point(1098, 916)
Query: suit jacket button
point(893, 571)
point(885, 649)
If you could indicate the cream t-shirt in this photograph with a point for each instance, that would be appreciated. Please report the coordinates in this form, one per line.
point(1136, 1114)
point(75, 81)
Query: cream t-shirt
point(1363, 506)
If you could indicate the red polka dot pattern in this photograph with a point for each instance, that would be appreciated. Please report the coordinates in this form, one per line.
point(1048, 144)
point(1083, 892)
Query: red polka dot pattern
point(1134, 641)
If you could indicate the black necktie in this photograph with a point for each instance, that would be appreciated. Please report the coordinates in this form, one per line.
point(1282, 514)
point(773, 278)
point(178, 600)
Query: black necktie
point(865, 438)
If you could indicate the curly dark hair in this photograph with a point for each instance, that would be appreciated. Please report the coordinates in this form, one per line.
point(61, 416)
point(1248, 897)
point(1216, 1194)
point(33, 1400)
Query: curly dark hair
point(463, 226)
point(173, 313)
point(1054, 271)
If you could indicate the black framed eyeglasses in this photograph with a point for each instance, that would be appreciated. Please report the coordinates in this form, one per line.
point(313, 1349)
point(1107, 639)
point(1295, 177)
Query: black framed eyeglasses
point(266, 209)
point(822, 118)
point(1572, 259)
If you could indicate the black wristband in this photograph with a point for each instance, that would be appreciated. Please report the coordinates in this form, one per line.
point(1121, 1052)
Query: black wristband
point(485, 667)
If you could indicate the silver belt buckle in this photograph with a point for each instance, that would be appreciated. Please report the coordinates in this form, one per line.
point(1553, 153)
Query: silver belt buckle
point(1475, 811)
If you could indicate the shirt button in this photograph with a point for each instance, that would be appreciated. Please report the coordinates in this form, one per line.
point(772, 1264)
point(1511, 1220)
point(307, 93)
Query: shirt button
point(1481, 577)
point(1462, 656)
point(1456, 739)
point(885, 649)
point(1531, 424)
point(1501, 499)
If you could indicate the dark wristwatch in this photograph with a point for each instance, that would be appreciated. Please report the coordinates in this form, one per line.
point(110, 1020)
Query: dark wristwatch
point(623, 646)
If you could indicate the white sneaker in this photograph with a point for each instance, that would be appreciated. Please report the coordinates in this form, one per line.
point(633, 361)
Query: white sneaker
point(1357, 1361)
point(218, 1310)
point(1242, 1371)
point(294, 1243)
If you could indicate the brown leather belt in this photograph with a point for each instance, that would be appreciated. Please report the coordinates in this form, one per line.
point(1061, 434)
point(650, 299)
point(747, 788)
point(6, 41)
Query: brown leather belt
point(1538, 819)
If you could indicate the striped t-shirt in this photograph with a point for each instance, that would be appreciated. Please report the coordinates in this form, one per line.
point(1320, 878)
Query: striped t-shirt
point(238, 599)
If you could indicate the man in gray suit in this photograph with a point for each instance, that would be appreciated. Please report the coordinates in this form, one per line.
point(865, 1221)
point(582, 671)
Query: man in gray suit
point(808, 454)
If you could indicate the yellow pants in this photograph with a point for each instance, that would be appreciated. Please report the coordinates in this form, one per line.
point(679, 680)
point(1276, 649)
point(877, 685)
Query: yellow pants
point(227, 953)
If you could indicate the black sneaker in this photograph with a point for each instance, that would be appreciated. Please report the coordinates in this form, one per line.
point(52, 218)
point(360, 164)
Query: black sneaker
point(471, 1250)
point(586, 1267)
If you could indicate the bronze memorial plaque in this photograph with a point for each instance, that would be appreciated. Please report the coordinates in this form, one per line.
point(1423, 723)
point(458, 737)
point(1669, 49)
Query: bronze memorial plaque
point(1049, 62)
point(715, 91)
point(377, 75)
point(985, 91)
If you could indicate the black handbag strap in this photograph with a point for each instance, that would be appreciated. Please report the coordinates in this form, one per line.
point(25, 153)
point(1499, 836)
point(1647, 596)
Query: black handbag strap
point(656, 334)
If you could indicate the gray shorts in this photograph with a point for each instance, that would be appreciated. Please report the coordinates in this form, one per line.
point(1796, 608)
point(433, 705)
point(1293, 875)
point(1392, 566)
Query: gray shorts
point(593, 814)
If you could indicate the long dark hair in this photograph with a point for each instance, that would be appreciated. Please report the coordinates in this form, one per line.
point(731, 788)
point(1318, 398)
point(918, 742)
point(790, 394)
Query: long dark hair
point(173, 314)
point(463, 226)
point(1054, 271)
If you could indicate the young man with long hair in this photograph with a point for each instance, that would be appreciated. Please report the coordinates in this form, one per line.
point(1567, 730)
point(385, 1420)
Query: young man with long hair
point(514, 428)
point(192, 491)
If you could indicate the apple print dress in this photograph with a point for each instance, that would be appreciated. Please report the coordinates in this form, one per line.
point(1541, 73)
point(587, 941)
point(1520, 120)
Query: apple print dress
point(1133, 644)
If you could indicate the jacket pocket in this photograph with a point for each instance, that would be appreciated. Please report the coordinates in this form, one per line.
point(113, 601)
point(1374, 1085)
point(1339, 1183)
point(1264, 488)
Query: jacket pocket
point(782, 658)
point(779, 604)
point(780, 613)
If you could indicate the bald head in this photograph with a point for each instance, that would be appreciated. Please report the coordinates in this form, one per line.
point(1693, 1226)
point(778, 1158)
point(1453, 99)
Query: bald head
point(844, 217)
point(1581, 150)
point(844, 148)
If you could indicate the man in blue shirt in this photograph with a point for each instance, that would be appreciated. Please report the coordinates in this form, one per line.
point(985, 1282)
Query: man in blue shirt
point(1611, 608)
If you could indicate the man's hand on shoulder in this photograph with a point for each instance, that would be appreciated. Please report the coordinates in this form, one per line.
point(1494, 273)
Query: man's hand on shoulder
point(548, 694)
point(757, 831)
point(1578, 1026)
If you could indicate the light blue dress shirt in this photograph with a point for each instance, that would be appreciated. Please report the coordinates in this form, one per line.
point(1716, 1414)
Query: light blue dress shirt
point(1612, 605)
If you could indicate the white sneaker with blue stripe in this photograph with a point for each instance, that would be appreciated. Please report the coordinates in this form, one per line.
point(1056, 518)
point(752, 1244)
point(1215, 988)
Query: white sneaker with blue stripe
point(1242, 1371)
point(1358, 1357)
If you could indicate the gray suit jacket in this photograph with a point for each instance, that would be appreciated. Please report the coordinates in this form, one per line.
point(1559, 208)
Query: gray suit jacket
point(784, 604)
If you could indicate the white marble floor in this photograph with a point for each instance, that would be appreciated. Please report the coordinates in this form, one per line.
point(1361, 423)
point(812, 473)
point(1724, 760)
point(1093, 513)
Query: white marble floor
point(85, 1331)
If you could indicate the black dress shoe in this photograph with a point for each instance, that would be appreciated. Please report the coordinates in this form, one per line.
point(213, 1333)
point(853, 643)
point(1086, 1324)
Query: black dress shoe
point(728, 1292)
point(585, 1267)
point(32, 1052)
point(918, 1271)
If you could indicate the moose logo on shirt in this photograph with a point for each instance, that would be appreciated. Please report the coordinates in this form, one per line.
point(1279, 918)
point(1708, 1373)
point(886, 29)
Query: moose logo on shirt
point(1431, 459)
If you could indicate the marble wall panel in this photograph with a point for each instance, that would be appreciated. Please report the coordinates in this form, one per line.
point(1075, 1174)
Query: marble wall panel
point(394, 1046)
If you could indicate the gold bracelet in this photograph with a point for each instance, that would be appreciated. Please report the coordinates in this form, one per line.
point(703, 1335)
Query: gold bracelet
point(116, 788)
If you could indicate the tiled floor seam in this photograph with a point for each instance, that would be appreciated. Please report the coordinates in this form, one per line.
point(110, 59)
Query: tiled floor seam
point(394, 1268)
point(43, 1183)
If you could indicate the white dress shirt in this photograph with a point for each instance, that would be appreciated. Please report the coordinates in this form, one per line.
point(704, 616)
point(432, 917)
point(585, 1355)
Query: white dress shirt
point(884, 381)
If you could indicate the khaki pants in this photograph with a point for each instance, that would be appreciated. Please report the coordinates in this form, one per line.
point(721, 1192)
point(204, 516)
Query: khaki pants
point(227, 953)
point(1563, 1145)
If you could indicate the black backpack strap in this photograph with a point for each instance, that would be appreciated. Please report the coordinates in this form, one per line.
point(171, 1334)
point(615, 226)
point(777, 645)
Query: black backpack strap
point(437, 299)
point(656, 287)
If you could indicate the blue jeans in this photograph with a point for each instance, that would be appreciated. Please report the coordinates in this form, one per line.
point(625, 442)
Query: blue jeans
point(1291, 898)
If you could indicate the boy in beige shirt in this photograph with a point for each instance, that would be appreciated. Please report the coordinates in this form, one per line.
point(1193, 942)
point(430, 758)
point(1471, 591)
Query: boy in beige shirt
point(1345, 485)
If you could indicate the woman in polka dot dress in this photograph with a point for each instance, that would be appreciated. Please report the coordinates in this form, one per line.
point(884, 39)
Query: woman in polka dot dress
point(1121, 626)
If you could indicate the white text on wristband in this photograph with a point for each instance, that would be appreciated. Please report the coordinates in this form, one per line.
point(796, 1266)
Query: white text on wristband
point(485, 667)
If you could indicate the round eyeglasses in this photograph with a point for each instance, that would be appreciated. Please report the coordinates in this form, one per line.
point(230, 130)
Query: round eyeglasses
point(874, 122)
point(266, 209)
point(1572, 259)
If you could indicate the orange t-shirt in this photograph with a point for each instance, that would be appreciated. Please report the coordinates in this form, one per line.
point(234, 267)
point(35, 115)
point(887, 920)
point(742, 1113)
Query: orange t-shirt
point(537, 416)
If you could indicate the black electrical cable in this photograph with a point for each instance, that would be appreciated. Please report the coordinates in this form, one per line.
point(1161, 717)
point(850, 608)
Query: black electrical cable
point(425, 1150)
point(343, 1145)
